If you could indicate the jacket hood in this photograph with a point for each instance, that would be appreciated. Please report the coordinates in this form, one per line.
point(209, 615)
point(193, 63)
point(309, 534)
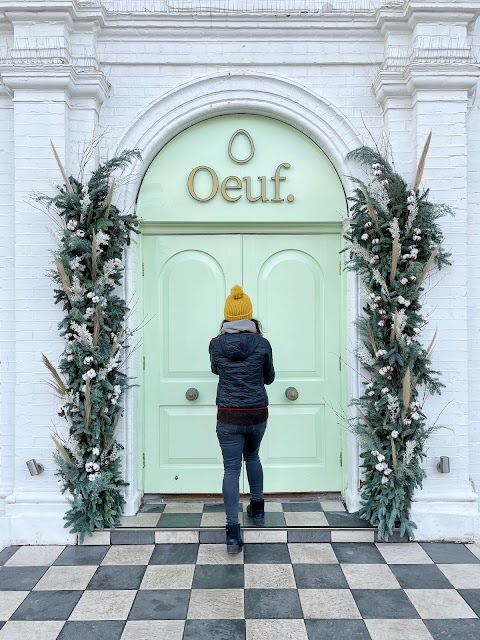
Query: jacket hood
point(238, 346)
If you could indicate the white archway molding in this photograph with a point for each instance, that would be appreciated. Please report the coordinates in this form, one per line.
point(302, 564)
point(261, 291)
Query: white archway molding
point(225, 93)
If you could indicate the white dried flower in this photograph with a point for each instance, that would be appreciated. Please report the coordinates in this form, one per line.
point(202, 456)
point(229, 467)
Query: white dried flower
point(76, 289)
point(365, 236)
point(96, 466)
point(387, 471)
point(80, 233)
point(380, 466)
point(394, 433)
point(96, 451)
point(381, 323)
point(385, 479)
point(409, 451)
point(371, 393)
point(380, 457)
point(416, 416)
point(407, 422)
point(71, 224)
point(385, 390)
point(404, 280)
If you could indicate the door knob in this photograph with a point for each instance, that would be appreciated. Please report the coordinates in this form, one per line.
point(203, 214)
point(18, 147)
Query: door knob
point(191, 394)
point(291, 393)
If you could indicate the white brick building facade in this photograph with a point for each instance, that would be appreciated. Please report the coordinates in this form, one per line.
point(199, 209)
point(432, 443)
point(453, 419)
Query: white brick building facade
point(140, 71)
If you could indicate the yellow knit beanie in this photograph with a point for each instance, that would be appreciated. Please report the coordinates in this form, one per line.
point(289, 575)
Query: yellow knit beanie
point(238, 305)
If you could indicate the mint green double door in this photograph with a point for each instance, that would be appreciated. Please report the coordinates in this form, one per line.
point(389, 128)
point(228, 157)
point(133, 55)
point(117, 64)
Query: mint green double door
point(295, 287)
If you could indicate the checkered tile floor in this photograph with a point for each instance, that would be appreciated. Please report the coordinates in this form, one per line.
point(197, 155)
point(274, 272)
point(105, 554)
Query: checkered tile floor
point(272, 591)
point(197, 514)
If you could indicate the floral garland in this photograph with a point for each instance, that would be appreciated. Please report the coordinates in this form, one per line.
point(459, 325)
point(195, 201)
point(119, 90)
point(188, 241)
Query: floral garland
point(89, 380)
point(393, 241)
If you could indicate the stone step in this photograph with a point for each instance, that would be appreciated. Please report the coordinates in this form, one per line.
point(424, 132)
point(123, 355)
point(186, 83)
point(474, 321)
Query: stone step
point(143, 535)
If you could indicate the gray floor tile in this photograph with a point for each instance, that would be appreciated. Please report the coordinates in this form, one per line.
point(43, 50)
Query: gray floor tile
point(20, 578)
point(273, 553)
point(302, 506)
point(449, 553)
point(472, 596)
point(358, 552)
point(272, 603)
point(218, 576)
point(117, 577)
point(180, 520)
point(344, 519)
point(93, 630)
point(214, 630)
point(174, 554)
point(319, 576)
point(384, 603)
point(152, 508)
point(336, 630)
point(7, 553)
point(132, 537)
point(272, 519)
point(454, 629)
point(79, 555)
point(420, 576)
point(47, 605)
point(315, 535)
point(160, 604)
point(217, 507)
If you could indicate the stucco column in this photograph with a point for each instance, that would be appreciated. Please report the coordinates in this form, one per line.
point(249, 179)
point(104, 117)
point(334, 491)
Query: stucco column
point(42, 113)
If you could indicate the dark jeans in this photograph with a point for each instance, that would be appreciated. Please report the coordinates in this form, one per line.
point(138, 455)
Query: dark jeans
point(235, 441)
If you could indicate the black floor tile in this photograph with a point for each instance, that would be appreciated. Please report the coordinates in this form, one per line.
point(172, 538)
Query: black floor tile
point(132, 537)
point(47, 605)
point(214, 630)
point(336, 630)
point(7, 553)
point(261, 553)
point(384, 603)
point(343, 519)
point(319, 576)
point(314, 535)
point(20, 578)
point(180, 520)
point(212, 537)
point(80, 555)
point(218, 576)
point(454, 629)
point(302, 506)
point(93, 630)
point(274, 519)
point(216, 507)
point(117, 577)
point(472, 596)
point(449, 553)
point(358, 552)
point(174, 554)
point(152, 508)
point(160, 604)
point(272, 604)
point(420, 576)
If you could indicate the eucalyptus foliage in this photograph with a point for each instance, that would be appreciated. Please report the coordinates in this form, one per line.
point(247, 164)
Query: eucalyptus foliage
point(394, 240)
point(89, 380)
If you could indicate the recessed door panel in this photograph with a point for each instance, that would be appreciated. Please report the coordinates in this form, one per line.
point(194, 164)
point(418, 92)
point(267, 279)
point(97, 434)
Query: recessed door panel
point(185, 284)
point(294, 284)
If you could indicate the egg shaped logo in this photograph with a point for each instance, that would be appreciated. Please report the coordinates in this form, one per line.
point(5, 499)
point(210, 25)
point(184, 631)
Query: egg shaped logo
point(232, 188)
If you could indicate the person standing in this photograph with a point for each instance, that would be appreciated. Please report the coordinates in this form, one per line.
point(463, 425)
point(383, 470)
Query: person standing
point(242, 358)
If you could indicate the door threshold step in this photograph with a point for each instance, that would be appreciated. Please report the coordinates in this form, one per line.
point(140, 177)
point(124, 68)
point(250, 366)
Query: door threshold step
point(145, 535)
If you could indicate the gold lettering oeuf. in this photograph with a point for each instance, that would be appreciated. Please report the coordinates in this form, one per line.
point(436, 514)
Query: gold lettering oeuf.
point(234, 183)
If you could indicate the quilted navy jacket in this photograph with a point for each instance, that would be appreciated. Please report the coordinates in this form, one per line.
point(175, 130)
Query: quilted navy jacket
point(244, 363)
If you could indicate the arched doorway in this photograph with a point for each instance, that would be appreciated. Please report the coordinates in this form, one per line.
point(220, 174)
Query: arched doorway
point(241, 199)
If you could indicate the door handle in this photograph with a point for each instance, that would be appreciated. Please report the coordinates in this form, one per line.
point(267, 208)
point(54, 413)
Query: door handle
point(191, 394)
point(291, 393)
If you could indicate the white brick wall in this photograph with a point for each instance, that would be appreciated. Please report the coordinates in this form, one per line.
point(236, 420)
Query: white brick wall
point(146, 57)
